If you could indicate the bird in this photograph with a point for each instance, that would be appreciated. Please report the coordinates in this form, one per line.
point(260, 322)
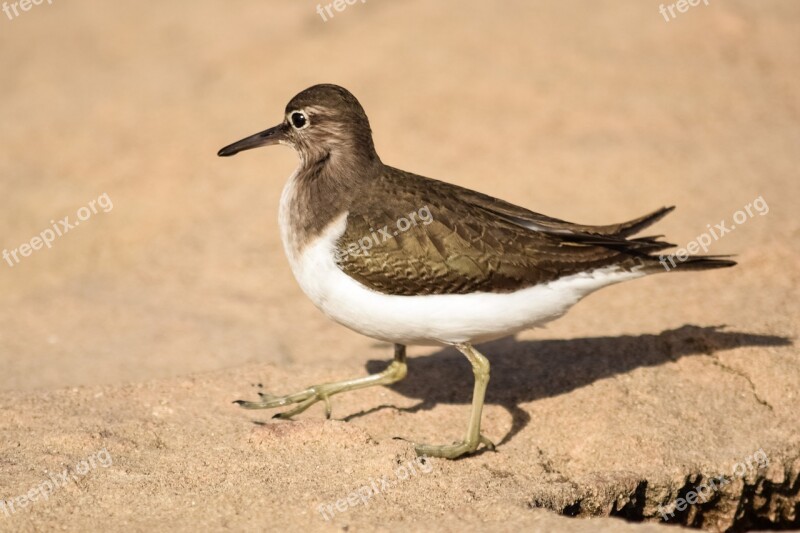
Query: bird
point(411, 260)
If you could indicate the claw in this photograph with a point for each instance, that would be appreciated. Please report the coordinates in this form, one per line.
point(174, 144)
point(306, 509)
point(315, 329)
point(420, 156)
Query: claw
point(457, 449)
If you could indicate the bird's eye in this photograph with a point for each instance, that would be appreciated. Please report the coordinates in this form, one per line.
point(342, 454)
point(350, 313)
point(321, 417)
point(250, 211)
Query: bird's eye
point(299, 120)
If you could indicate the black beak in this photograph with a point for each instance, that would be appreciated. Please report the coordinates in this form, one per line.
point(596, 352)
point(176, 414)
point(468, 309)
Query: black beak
point(271, 136)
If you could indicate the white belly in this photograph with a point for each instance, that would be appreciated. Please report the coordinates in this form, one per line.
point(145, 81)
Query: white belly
point(429, 319)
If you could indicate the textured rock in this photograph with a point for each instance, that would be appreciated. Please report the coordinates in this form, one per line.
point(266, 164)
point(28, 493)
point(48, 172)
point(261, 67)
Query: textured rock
point(584, 435)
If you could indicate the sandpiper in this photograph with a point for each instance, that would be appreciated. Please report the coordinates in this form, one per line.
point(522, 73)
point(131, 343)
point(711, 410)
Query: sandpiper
point(476, 269)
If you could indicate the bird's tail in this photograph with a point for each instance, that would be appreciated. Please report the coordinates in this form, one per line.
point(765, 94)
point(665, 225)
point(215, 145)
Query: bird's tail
point(668, 263)
point(632, 227)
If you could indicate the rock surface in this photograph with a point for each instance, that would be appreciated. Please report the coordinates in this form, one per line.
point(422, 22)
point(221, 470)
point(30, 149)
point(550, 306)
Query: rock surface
point(124, 344)
point(180, 454)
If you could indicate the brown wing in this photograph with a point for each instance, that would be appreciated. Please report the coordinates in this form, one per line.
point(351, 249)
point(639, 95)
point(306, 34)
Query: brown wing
point(438, 238)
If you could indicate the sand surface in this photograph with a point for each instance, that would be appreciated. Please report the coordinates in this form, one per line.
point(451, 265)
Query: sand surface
point(128, 338)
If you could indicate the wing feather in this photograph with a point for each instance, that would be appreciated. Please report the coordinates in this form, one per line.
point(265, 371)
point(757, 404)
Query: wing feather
point(471, 242)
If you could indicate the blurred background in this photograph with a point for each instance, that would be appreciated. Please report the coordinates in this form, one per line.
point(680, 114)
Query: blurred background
point(594, 112)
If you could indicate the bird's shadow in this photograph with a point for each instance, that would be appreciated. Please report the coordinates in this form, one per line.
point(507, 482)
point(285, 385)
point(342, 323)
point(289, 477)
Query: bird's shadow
point(524, 371)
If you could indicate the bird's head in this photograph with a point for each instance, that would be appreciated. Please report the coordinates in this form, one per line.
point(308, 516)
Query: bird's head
point(323, 122)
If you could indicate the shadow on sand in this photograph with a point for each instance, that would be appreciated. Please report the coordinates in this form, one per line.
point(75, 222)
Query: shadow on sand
point(530, 370)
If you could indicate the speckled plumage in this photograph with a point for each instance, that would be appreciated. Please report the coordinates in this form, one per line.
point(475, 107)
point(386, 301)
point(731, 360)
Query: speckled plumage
point(473, 242)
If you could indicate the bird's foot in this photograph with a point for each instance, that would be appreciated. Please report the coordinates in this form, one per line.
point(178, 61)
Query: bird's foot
point(304, 399)
point(457, 449)
point(322, 393)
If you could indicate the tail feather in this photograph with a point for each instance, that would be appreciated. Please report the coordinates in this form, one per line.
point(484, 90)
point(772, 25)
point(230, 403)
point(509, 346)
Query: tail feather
point(626, 229)
point(668, 263)
point(641, 250)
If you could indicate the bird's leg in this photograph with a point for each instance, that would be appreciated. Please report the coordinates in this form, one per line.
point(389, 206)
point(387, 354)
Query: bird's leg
point(308, 397)
point(473, 438)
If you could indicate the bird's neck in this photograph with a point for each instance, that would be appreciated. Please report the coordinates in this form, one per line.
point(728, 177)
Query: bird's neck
point(320, 192)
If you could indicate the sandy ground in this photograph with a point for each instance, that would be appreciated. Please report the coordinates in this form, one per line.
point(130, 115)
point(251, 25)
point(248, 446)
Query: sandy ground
point(129, 337)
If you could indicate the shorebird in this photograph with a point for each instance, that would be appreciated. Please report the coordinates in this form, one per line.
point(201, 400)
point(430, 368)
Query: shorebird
point(445, 265)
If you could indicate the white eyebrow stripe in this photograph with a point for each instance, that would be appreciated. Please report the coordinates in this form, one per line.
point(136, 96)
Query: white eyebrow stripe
point(316, 109)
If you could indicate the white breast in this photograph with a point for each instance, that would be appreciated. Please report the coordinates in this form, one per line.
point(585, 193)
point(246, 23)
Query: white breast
point(428, 319)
